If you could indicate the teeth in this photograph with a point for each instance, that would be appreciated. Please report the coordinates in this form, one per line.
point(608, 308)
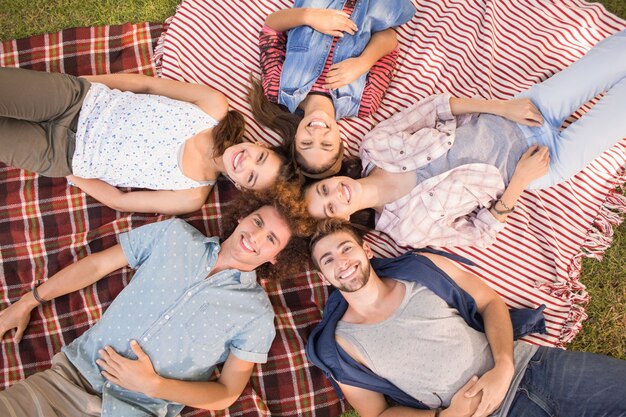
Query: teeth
point(237, 159)
point(317, 123)
point(247, 245)
point(348, 272)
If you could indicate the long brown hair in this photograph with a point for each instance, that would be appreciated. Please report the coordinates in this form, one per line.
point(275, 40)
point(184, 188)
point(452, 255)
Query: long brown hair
point(228, 132)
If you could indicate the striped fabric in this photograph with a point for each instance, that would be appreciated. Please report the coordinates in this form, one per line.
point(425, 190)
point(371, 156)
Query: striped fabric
point(484, 48)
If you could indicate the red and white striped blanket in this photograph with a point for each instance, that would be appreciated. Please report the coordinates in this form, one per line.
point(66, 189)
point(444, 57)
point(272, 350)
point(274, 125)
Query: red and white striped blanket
point(485, 48)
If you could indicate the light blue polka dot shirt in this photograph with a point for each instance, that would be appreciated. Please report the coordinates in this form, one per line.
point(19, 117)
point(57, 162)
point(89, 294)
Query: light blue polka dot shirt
point(185, 322)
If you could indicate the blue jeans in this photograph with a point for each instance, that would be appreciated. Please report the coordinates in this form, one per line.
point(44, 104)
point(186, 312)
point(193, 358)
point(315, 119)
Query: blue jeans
point(560, 383)
point(601, 69)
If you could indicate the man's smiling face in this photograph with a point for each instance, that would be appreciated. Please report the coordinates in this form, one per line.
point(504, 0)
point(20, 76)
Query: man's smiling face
point(342, 261)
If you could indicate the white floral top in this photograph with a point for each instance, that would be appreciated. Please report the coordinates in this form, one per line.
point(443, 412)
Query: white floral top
point(134, 140)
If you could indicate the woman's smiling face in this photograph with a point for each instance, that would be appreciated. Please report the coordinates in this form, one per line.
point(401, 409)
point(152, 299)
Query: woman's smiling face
point(333, 197)
point(317, 141)
point(251, 166)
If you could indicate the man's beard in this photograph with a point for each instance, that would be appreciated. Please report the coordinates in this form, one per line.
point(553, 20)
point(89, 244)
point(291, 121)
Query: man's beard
point(357, 282)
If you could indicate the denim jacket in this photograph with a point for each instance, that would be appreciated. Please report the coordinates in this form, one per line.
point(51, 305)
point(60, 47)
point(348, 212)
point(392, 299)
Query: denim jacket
point(324, 352)
point(308, 49)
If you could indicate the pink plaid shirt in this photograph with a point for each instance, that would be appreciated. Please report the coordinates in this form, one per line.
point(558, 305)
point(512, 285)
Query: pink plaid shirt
point(440, 211)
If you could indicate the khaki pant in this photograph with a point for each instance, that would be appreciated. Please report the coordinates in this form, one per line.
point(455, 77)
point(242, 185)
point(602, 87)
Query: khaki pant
point(38, 118)
point(61, 391)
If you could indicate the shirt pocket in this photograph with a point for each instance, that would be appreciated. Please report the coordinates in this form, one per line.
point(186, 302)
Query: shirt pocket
point(299, 39)
point(207, 329)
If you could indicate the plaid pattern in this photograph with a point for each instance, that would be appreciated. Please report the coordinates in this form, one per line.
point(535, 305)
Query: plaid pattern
point(486, 48)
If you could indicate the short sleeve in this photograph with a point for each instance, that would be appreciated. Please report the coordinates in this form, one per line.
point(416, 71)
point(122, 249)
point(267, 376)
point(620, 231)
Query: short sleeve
point(253, 343)
point(272, 47)
point(138, 244)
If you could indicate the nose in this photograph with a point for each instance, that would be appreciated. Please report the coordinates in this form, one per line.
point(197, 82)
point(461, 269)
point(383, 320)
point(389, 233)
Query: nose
point(255, 235)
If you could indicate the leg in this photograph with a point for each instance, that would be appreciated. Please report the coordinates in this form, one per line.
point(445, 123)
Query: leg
point(597, 71)
point(38, 117)
point(598, 130)
point(576, 384)
point(40, 96)
point(34, 147)
point(58, 392)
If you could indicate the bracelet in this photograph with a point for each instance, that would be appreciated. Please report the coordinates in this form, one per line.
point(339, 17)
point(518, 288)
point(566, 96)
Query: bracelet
point(37, 296)
point(507, 208)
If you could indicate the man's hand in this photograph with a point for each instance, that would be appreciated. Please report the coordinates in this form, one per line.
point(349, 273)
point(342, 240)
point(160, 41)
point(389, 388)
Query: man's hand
point(135, 375)
point(462, 405)
point(493, 386)
point(17, 315)
point(521, 110)
point(330, 22)
point(344, 72)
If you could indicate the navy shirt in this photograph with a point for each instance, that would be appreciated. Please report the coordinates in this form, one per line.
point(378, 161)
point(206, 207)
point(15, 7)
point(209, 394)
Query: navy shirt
point(185, 322)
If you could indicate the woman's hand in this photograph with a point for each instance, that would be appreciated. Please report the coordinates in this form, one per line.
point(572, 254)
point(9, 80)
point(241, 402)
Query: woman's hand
point(17, 315)
point(345, 72)
point(134, 375)
point(521, 110)
point(533, 164)
point(330, 22)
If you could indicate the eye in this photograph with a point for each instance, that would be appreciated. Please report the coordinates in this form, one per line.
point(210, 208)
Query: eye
point(331, 209)
point(324, 189)
point(257, 222)
point(327, 260)
point(250, 178)
point(347, 249)
point(270, 238)
point(327, 145)
point(260, 157)
point(306, 143)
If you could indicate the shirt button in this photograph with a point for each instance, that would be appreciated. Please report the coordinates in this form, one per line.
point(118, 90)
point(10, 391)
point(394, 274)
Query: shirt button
point(401, 152)
point(430, 194)
point(189, 294)
point(428, 158)
point(145, 339)
point(403, 168)
point(167, 317)
point(449, 143)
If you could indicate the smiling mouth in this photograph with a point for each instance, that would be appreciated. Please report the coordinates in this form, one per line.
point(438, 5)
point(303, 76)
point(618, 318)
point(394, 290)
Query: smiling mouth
point(237, 160)
point(246, 245)
point(346, 192)
point(317, 124)
point(349, 273)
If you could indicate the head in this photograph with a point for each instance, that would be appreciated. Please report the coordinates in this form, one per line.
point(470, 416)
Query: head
point(317, 146)
point(341, 255)
point(334, 197)
point(313, 141)
point(253, 166)
point(266, 231)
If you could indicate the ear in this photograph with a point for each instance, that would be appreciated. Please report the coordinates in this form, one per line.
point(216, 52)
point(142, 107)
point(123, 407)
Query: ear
point(368, 250)
point(239, 220)
point(346, 217)
point(237, 186)
point(323, 278)
point(263, 144)
point(272, 261)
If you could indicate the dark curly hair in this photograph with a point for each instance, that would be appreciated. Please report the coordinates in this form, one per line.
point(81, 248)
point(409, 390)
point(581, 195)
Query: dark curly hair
point(285, 198)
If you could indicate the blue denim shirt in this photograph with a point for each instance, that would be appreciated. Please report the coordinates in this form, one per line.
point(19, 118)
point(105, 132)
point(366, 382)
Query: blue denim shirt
point(308, 49)
point(185, 322)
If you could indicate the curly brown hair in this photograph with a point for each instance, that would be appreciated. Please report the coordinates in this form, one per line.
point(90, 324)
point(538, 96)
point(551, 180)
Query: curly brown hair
point(285, 198)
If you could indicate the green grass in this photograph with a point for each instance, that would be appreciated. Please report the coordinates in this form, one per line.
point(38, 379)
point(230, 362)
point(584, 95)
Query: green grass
point(605, 329)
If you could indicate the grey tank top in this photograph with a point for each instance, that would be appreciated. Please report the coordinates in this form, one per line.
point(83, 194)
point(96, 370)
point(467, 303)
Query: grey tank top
point(427, 350)
point(486, 139)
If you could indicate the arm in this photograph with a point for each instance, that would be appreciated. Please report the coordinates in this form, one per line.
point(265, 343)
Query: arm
point(532, 165)
point(345, 72)
point(518, 110)
point(373, 404)
point(208, 99)
point(498, 329)
point(162, 201)
point(72, 278)
point(328, 21)
point(139, 375)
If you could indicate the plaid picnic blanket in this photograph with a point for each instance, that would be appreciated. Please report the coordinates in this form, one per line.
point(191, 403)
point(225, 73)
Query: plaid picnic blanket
point(486, 48)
